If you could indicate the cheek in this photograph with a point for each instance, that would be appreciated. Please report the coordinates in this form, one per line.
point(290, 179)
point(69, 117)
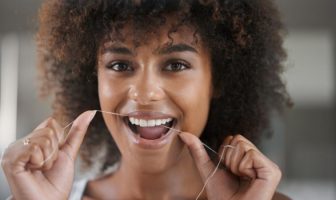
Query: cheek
point(194, 102)
point(196, 113)
point(110, 96)
point(105, 93)
point(111, 92)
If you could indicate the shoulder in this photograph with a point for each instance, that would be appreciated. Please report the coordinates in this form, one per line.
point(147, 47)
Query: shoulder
point(279, 196)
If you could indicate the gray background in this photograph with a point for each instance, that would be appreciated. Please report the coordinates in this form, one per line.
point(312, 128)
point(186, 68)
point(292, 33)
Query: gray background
point(304, 139)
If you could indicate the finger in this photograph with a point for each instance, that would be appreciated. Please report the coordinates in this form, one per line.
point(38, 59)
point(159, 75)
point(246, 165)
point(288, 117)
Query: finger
point(240, 150)
point(199, 154)
point(77, 133)
point(225, 147)
point(36, 158)
point(49, 147)
point(55, 126)
point(225, 144)
point(246, 166)
point(264, 173)
point(43, 124)
point(239, 138)
point(57, 131)
point(17, 157)
point(228, 156)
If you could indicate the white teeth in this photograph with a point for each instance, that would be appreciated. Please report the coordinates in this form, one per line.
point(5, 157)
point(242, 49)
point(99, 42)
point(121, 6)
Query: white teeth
point(149, 123)
point(143, 123)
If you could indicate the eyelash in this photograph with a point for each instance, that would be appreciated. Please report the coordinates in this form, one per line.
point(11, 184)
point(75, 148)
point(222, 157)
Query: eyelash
point(115, 66)
point(181, 64)
point(170, 66)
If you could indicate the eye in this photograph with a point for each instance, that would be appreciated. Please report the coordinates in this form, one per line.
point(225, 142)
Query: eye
point(176, 66)
point(120, 66)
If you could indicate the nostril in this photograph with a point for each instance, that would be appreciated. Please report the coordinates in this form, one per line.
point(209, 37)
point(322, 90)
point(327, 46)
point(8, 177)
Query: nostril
point(146, 93)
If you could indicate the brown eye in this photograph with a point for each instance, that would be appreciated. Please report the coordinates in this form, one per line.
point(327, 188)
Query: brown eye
point(176, 67)
point(120, 66)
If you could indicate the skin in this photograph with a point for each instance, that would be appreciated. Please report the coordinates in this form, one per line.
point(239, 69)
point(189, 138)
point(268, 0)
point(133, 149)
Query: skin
point(162, 173)
point(150, 84)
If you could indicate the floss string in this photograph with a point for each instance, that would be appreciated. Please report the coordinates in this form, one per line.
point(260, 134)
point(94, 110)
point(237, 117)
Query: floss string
point(178, 131)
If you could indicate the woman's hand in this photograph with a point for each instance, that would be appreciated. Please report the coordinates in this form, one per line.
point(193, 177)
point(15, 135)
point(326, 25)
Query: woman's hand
point(258, 176)
point(41, 165)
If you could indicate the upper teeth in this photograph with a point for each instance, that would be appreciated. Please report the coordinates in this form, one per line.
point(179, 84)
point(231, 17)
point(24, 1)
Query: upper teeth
point(149, 123)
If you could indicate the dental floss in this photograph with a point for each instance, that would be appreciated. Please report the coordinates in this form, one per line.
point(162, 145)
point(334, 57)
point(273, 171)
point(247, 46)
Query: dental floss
point(201, 141)
point(214, 171)
point(112, 113)
point(52, 153)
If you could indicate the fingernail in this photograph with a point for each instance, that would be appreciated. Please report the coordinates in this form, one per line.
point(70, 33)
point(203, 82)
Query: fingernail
point(182, 136)
point(93, 114)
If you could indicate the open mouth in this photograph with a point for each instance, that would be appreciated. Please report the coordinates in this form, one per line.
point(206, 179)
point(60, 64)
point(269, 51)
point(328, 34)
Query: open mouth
point(150, 129)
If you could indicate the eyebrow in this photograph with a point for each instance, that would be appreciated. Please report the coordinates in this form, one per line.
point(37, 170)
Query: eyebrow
point(163, 50)
point(118, 50)
point(175, 48)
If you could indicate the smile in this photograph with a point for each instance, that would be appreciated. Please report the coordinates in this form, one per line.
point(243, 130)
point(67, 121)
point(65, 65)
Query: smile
point(149, 130)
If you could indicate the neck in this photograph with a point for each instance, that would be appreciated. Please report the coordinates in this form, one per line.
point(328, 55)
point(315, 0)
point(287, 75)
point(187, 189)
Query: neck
point(165, 184)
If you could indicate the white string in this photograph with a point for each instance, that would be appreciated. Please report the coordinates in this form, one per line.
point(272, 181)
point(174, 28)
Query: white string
point(66, 137)
point(118, 114)
point(201, 142)
point(214, 171)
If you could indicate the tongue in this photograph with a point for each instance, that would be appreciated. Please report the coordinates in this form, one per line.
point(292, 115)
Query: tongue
point(151, 133)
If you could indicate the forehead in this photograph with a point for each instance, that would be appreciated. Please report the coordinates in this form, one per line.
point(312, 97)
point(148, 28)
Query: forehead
point(153, 37)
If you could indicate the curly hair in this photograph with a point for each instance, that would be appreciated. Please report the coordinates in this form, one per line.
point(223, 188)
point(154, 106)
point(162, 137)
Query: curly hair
point(244, 38)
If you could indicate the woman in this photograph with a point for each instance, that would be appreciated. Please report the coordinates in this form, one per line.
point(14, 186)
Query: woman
point(165, 75)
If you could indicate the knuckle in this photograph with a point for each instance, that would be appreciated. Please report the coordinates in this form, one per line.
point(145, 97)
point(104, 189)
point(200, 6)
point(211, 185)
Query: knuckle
point(47, 131)
point(238, 138)
point(251, 153)
point(47, 142)
point(241, 145)
point(34, 148)
point(50, 133)
point(227, 139)
point(50, 120)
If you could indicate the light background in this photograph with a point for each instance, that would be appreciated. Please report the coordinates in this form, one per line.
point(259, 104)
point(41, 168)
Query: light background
point(304, 140)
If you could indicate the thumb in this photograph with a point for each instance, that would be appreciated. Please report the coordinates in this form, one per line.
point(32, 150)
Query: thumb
point(77, 133)
point(199, 154)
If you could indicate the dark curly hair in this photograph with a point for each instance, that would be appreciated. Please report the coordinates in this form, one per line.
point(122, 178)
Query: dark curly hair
point(244, 38)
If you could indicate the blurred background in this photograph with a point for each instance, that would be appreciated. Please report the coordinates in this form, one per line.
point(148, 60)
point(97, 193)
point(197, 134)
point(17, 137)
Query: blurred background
point(304, 140)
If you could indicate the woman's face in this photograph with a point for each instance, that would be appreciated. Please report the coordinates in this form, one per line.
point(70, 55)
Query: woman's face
point(158, 83)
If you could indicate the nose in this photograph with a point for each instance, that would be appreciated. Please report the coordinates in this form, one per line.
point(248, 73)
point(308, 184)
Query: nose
point(146, 90)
